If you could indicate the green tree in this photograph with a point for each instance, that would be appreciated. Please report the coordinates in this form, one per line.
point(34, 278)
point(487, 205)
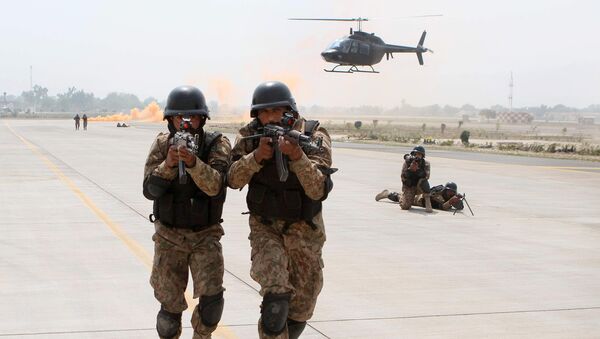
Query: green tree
point(464, 137)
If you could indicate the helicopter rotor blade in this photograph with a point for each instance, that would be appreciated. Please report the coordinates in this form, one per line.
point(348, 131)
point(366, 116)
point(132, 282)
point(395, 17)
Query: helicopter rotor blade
point(330, 19)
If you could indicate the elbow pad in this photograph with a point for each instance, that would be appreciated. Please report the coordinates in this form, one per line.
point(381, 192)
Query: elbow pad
point(328, 182)
point(155, 187)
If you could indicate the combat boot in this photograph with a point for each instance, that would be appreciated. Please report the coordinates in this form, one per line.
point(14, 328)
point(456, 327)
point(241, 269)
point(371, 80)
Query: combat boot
point(384, 194)
point(428, 208)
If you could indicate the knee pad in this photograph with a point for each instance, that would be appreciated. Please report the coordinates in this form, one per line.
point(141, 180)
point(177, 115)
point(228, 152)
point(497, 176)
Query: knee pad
point(168, 325)
point(274, 312)
point(394, 196)
point(295, 328)
point(211, 309)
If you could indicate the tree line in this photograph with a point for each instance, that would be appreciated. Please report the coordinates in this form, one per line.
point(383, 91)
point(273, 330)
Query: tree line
point(72, 100)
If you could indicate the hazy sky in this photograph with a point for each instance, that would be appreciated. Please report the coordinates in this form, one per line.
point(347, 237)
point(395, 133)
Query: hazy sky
point(227, 47)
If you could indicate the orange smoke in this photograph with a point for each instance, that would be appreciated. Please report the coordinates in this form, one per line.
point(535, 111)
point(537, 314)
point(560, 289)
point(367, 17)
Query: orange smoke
point(114, 117)
point(293, 81)
point(151, 113)
point(223, 88)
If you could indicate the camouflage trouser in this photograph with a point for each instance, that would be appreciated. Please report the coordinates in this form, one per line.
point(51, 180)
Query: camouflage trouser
point(178, 251)
point(409, 193)
point(288, 259)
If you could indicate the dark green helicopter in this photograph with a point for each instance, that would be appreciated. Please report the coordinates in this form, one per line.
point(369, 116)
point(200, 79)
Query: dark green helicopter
point(364, 49)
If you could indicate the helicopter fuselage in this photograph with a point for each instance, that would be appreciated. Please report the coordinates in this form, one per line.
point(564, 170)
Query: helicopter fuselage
point(363, 49)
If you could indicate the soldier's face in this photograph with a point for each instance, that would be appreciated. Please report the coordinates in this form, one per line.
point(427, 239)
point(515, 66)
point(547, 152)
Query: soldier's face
point(419, 155)
point(196, 120)
point(271, 115)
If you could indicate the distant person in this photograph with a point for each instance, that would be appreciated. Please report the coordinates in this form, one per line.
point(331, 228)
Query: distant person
point(76, 118)
point(187, 215)
point(443, 197)
point(84, 118)
point(415, 181)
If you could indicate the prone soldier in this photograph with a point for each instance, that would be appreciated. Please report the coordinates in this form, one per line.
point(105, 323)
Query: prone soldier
point(287, 232)
point(187, 214)
point(443, 197)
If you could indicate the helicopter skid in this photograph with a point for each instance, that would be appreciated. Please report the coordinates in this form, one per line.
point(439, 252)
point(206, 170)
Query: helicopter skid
point(351, 69)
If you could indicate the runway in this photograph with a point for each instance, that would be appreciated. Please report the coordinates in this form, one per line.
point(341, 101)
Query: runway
point(76, 248)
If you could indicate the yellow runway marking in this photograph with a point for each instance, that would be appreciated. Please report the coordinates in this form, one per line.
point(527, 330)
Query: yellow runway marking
point(133, 246)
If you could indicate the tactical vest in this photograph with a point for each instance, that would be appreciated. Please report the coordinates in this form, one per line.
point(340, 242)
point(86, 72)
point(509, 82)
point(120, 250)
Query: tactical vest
point(187, 206)
point(270, 198)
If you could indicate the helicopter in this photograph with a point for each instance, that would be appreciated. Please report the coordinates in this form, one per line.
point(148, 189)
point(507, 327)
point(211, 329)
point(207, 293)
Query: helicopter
point(354, 52)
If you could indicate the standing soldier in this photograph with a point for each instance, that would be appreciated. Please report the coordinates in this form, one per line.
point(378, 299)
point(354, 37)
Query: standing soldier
point(76, 118)
point(187, 214)
point(286, 225)
point(415, 176)
point(84, 118)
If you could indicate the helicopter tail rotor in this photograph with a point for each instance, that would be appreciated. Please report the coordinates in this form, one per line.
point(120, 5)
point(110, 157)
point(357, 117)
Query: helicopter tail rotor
point(420, 49)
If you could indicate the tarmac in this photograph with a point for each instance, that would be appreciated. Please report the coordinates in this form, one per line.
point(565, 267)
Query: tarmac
point(76, 248)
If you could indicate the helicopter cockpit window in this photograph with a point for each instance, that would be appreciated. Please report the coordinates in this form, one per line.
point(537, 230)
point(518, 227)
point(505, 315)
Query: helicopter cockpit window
point(363, 49)
point(341, 45)
point(335, 44)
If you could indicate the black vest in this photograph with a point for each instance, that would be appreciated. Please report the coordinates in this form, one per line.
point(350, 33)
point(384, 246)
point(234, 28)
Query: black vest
point(187, 206)
point(268, 197)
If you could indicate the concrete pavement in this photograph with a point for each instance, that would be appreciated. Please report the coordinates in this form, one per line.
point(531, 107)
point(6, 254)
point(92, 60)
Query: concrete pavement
point(75, 249)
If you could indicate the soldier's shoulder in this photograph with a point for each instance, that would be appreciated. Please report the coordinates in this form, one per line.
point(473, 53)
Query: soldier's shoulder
point(249, 129)
point(161, 141)
point(162, 138)
point(316, 128)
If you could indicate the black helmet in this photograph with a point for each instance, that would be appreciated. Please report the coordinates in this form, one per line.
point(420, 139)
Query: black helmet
point(186, 100)
point(451, 186)
point(272, 94)
point(419, 149)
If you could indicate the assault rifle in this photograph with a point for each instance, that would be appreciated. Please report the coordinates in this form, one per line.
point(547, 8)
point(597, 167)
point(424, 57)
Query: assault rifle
point(296, 137)
point(463, 197)
point(185, 139)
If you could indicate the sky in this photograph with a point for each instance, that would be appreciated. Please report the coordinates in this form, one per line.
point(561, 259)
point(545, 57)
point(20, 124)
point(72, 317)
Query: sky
point(226, 48)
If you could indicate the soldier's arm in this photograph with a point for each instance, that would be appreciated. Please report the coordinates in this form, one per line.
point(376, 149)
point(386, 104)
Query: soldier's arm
point(209, 176)
point(157, 175)
point(312, 169)
point(404, 175)
point(243, 165)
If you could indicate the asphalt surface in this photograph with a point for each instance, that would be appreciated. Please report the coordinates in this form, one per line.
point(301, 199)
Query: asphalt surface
point(76, 249)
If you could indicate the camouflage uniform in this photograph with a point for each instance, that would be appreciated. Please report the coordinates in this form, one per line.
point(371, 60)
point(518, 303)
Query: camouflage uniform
point(286, 256)
point(177, 250)
point(439, 200)
point(410, 189)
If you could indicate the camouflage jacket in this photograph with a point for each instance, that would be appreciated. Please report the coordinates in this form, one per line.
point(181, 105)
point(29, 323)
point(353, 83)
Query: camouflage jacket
point(410, 178)
point(307, 168)
point(207, 176)
point(438, 201)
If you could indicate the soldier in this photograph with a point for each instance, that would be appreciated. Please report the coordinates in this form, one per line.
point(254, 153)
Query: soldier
point(84, 118)
point(76, 118)
point(443, 197)
point(187, 216)
point(415, 176)
point(287, 232)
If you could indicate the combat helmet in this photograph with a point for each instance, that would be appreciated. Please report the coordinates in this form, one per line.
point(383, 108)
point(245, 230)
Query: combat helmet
point(418, 149)
point(451, 186)
point(272, 94)
point(186, 100)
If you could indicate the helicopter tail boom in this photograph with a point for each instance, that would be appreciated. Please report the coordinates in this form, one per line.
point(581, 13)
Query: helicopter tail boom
point(419, 50)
